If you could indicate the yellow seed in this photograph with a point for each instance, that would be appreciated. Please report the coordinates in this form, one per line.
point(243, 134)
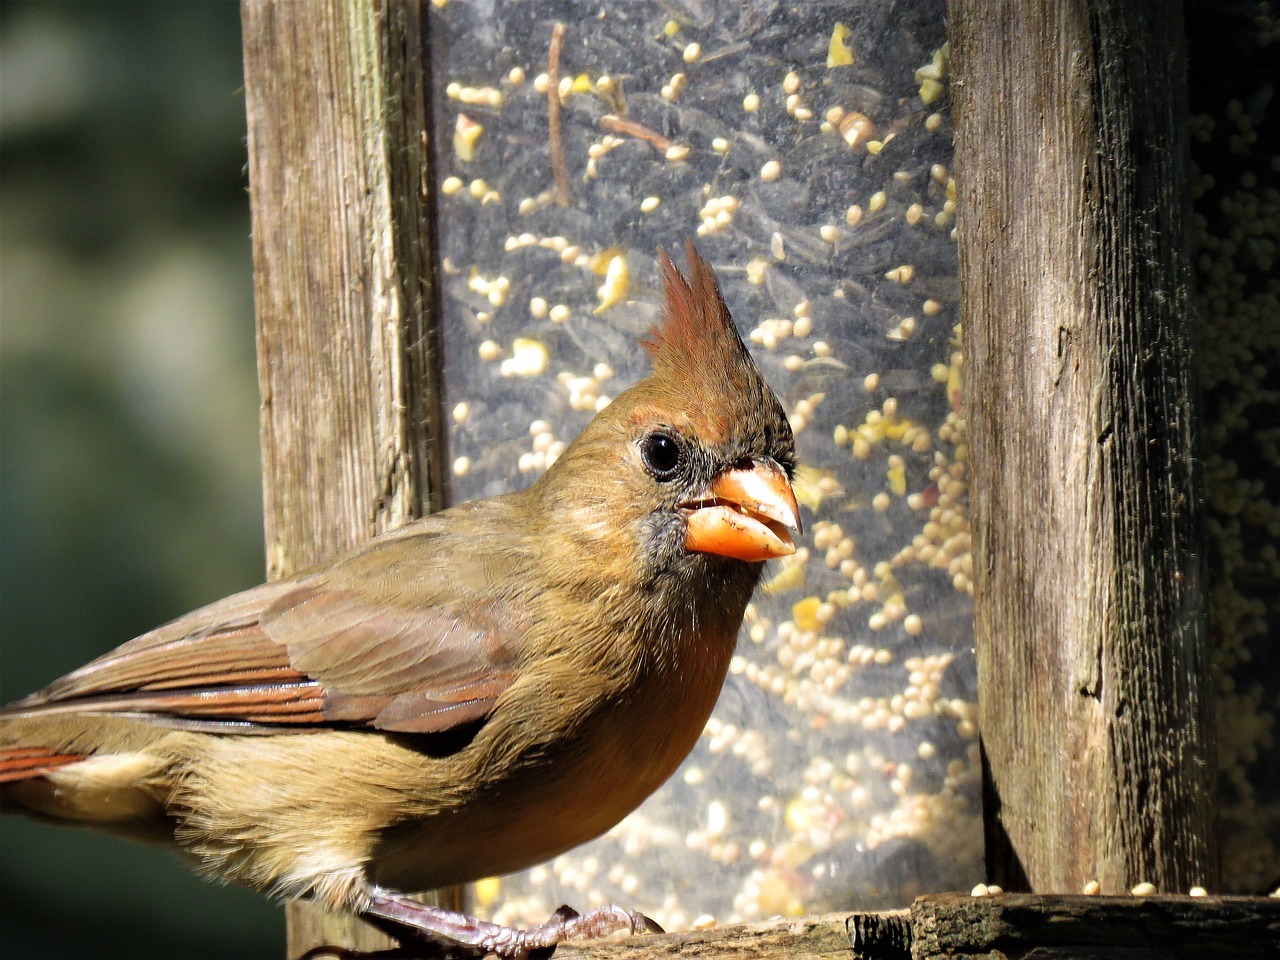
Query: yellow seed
point(516, 76)
point(528, 358)
point(871, 382)
point(828, 233)
point(615, 284)
point(770, 171)
point(451, 186)
point(670, 28)
point(790, 577)
point(936, 69)
point(677, 152)
point(898, 480)
point(839, 53)
point(791, 82)
point(877, 201)
point(720, 145)
point(751, 103)
point(853, 216)
point(805, 613)
point(692, 52)
point(649, 204)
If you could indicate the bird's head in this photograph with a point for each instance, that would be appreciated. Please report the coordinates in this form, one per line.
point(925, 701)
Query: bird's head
point(694, 461)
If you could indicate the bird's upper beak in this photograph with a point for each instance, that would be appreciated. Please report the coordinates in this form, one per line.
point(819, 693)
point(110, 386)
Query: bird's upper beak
point(747, 513)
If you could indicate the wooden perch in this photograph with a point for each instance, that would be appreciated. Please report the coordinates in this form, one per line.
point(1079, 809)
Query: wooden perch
point(1006, 927)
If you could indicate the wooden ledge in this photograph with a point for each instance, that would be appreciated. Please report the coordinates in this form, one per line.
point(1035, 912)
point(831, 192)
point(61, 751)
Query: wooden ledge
point(1002, 927)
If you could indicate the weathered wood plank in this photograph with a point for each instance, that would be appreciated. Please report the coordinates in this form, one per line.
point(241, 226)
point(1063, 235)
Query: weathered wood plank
point(1005, 927)
point(339, 166)
point(1013, 926)
point(802, 938)
point(1090, 620)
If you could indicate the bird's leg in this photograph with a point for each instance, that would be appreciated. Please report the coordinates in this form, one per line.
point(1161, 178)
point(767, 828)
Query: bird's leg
point(481, 936)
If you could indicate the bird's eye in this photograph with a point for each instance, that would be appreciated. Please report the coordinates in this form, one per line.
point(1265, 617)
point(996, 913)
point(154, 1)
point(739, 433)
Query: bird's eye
point(661, 454)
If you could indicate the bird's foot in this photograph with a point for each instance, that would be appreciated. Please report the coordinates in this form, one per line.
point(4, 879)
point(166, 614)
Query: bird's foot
point(457, 934)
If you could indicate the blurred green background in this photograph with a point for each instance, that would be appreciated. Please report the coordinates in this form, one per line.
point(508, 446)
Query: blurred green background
point(130, 487)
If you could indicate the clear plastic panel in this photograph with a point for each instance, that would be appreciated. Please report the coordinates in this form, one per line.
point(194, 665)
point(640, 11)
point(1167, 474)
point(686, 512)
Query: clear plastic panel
point(806, 150)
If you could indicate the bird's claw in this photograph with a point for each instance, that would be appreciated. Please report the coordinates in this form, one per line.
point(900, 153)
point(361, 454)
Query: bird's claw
point(461, 935)
point(567, 924)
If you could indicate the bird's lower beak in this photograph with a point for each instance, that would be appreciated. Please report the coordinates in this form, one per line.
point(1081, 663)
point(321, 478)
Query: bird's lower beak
point(747, 514)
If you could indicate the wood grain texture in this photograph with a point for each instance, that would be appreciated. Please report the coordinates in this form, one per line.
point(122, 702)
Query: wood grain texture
point(1093, 668)
point(801, 938)
point(1006, 927)
point(337, 95)
point(1016, 926)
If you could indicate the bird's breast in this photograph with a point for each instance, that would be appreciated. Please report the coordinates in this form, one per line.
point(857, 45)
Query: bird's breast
point(564, 770)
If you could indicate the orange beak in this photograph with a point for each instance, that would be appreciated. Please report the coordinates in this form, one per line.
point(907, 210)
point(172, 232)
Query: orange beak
point(746, 514)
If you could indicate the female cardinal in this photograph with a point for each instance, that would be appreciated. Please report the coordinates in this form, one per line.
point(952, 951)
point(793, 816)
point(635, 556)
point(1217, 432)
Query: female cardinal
point(467, 696)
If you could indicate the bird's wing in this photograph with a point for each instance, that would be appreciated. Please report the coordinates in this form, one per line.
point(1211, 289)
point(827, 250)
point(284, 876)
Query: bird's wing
point(412, 634)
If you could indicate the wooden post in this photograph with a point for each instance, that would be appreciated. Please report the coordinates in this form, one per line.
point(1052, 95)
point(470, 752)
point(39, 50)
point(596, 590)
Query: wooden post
point(339, 166)
point(1093, 667)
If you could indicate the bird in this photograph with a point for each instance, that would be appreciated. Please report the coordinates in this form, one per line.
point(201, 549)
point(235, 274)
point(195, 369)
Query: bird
point(467, 696)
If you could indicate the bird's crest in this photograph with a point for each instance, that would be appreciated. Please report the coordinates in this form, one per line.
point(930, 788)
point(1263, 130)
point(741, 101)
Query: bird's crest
point(698, 355)
point(697, 338)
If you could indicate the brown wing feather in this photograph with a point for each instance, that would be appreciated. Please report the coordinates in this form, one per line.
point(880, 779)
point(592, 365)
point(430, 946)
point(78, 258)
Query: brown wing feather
point(23, 763)
point(407, 634)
